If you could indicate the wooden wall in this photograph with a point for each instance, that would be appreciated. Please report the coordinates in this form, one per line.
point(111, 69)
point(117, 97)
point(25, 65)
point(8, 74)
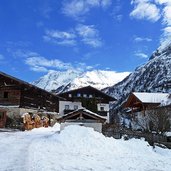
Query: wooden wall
point(13, 96)
point(35, 98)
point(26, 95)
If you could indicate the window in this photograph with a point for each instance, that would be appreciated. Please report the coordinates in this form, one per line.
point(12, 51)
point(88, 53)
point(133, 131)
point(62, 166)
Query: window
point(75, 107)
point(69, 95)
point(85, 95)
point(90, 96)
point(66, 107)
point(78, 95)
point(102, 108)
point(6, 95)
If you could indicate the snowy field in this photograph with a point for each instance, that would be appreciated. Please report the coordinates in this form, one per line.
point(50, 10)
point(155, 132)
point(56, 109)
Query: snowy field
point(77, 149)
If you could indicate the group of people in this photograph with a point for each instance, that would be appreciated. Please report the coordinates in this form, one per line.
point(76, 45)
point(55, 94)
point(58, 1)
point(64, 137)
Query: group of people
point(34, 121)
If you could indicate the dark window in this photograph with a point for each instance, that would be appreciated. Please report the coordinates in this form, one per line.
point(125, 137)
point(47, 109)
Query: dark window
point(6, 95)
point(66, 107)
point(102, 108)
point(1, 115)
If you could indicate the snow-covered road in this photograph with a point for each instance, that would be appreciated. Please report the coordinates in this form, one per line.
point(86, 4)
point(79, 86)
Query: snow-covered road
point(15, 148)
point(77, 149)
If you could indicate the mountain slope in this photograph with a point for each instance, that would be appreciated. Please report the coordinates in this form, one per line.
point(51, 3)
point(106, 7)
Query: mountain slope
point(67, 80)
point(154, 76)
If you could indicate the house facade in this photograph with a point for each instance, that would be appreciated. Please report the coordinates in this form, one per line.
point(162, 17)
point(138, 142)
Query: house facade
point(149, 111)
point(82, 117)
point(18, 97)
point(140, 102)
point(86, 97)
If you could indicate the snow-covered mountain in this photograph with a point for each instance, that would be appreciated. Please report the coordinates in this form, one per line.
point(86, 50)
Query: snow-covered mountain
point(60, 81)
point(154, 76)
point(55, 79)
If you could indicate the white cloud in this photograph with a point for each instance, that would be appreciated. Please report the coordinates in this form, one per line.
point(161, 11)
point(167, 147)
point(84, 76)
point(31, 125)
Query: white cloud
point(89, 35)
point(116, 13)
point(60, 34)
point(106, 3)
point(78, 8)
point(38, 69)
point(153, 10)
point(142, 39)
point(163, 1)
point(81, 66)
point(39, 63)
point(143, 9)
point(141, 55)
point(60, 37)
point(167, 15)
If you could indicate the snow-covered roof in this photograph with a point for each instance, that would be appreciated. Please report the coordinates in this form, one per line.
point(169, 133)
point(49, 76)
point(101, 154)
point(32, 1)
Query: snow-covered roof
point(88, 111)
point(83, 110)
point(151, 97)
point(9, 106)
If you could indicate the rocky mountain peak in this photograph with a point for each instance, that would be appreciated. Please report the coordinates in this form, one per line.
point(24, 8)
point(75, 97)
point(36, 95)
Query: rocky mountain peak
point(61, 81)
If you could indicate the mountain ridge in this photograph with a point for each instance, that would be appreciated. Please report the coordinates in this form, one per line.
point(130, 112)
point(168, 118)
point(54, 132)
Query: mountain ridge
point(61, 81)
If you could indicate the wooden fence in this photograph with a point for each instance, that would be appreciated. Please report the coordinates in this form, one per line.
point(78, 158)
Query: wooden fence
point(150, 137)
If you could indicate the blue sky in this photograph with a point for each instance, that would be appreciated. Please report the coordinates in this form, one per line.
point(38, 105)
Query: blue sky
point(41, 35)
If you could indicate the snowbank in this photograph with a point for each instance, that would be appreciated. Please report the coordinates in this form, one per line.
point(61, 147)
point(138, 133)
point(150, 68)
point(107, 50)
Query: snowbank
point(55, 128)
point(77, 148)
point(80, 148)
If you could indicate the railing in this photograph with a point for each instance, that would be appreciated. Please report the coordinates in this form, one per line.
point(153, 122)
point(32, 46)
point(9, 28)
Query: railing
point(150, 137)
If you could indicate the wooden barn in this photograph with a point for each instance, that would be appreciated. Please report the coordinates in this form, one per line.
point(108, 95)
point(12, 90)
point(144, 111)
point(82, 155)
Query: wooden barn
point(18, 97)
point(82, 117)
point(87, 97)
point(141, 101)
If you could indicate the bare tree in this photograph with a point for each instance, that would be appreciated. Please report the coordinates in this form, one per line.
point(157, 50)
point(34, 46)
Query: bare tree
point(159, 119)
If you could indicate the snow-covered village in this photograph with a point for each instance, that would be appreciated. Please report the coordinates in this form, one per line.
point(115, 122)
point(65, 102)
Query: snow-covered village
point(85, 85)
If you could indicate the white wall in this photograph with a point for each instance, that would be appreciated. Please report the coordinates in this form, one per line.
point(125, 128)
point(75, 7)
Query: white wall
point(105, 105)
point(106, 109)
point(71, 106)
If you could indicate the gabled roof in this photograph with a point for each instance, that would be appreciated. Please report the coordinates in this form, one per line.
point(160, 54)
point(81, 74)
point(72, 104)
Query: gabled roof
point(21, 82)
point(89, 88)
point(84, 111)
point(151, 97)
